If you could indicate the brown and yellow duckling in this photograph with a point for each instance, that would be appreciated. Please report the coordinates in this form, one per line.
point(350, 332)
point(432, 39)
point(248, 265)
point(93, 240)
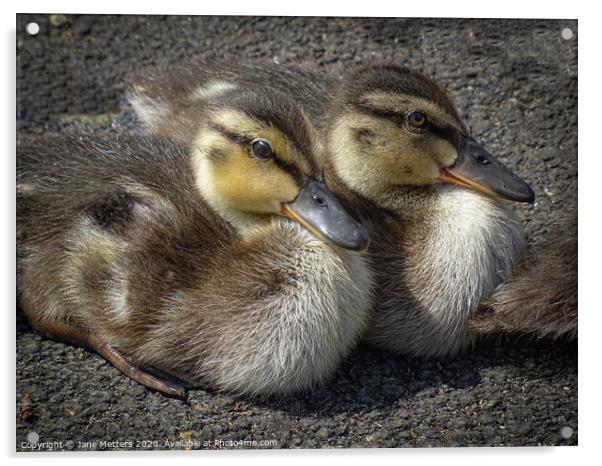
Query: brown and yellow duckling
point(230, 265)
point(401, 158)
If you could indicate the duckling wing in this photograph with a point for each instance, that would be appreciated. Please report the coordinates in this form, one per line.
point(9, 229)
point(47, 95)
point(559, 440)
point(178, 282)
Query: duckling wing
point(108, 179)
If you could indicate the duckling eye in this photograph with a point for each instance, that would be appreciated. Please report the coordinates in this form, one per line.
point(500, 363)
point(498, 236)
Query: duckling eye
point(261, 149)
point(417, 120)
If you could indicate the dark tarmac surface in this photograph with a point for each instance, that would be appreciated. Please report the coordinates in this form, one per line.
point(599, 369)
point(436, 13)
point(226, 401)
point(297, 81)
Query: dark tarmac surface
point(515, 82)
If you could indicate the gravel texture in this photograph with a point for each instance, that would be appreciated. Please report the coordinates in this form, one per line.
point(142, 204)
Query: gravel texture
point(515, 82)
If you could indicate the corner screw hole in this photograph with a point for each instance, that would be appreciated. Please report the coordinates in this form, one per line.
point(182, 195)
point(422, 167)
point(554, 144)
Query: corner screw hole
point(32, 29)
point(567, 33)
point(566, 432)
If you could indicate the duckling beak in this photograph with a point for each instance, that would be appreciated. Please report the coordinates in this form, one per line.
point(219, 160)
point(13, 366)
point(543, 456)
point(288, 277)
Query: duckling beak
point(477, 169)
point(316, 208)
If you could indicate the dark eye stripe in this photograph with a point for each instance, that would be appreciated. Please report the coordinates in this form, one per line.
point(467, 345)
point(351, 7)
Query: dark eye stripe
point(291, 169)
point(449, 134)
point(452, 135)
point(245, 141)
point(395, 117)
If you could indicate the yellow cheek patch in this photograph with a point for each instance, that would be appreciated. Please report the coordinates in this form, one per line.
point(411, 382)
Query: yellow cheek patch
point(443, 152)
point(392, 157)
point(416, 170)
point(235, 182)
point(251, 185)
point(399, 156)
point(240, 124)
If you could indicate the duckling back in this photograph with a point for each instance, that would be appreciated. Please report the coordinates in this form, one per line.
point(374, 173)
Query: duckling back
point(540, 298)
point(167, 100)
point(80, 197)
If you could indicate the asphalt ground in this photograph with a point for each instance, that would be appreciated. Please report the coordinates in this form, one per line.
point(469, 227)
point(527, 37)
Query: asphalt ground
point(514, 81)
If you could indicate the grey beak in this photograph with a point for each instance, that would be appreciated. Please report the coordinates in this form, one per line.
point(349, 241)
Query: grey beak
point(316, 208)
point(478, 169)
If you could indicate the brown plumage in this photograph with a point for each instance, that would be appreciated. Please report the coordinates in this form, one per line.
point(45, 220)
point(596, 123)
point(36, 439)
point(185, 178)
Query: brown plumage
point(438, 250)
point(169, 98)
point(125, 245)
point(540, 298)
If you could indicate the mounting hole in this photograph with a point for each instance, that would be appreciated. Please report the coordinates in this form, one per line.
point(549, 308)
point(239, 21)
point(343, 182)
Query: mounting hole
point(32, 28)
point(567, 33)
point(566, 432)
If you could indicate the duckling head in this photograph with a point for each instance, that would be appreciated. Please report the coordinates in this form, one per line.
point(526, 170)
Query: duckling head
point(395, 128)
point(254, 159)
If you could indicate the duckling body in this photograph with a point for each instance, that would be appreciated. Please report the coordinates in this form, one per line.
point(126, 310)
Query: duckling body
point(438, 250)
point(120, 250)
point(540, 298)
point(425, 296)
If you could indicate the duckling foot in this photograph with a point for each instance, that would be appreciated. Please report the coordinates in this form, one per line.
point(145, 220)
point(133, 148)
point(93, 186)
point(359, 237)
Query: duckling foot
point(106, 350)
point(115, 357)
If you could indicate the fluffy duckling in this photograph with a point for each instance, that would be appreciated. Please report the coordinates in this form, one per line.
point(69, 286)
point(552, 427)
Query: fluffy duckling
point(229, 265)
point(400, 157)
point(450, 238)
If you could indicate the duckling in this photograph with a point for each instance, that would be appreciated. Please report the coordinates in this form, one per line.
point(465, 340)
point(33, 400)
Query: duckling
point(402, 160)
point(398, 142)
point(540, 298)
point(227, 264)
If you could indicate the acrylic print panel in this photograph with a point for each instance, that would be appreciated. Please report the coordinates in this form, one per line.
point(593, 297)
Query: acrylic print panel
point(514, 84)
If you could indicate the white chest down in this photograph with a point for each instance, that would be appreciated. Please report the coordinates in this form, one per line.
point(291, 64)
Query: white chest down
point(468, 246)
